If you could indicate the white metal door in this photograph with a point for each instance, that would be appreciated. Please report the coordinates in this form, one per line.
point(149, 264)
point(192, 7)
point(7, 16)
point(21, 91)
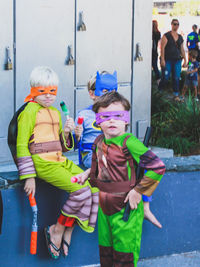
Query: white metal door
point(6, 76)
point(106, 40)
point(44, 30)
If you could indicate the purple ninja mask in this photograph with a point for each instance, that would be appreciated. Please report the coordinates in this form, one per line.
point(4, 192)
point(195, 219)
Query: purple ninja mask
point(122, 115)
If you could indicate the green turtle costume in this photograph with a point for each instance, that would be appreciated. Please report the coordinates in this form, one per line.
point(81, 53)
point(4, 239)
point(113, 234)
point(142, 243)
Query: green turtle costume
point(40, 142)
point(113, 172)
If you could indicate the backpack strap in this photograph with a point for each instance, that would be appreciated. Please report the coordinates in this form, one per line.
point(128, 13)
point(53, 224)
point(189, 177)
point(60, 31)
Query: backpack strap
point(130, 160)
point(94, 166)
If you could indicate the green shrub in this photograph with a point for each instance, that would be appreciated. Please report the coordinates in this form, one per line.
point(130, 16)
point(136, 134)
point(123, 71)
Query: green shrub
point(175, 125)
point(180, 145)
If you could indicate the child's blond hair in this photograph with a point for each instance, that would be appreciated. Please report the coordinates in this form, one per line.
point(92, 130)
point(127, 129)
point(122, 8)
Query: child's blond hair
point(43, 76)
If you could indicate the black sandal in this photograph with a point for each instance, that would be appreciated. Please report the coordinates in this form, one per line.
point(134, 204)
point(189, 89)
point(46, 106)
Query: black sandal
point(66, 244)
point(50, 243)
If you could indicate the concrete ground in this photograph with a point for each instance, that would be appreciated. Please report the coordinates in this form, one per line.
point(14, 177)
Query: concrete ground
point(190, 259)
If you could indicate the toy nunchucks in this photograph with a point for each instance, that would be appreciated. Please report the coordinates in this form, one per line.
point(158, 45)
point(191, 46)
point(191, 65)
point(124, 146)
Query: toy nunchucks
point(79, 122)
point(138, 172)
point(64, 109)
point(33, 244)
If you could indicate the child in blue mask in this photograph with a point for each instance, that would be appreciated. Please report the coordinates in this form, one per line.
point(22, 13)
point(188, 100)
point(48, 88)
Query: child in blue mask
point(86, 133)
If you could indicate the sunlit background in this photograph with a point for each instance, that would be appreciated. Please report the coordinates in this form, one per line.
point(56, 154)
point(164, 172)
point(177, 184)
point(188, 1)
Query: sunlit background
point(186, 11)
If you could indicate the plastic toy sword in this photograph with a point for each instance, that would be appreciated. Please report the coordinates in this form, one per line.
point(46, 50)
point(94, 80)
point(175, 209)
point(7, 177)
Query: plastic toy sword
point(33, 245)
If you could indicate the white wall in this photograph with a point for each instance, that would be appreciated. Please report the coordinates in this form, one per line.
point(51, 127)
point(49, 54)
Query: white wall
point(141, 94)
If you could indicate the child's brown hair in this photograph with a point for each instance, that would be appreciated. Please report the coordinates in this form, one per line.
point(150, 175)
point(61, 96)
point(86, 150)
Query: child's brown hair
point(193, 53)
point(109, 98)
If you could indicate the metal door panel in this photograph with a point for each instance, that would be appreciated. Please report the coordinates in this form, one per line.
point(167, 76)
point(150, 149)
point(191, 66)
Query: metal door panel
point(107, 42)
point(6, 76)
point(125, 90)
point(82, 99)
point(45, 29)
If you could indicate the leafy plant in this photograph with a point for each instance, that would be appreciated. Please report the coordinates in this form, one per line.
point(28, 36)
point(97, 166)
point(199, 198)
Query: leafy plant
point(175, 125)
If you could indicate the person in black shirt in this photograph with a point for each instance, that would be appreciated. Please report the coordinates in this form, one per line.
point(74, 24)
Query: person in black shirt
point(172, 52)
point(155, 38)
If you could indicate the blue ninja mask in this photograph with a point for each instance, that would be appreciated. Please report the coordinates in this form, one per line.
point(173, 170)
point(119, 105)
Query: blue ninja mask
point(105, 81)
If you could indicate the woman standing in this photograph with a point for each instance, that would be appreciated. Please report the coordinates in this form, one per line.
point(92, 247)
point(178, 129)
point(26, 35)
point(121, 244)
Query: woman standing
point(172, 53)
point(155, 38)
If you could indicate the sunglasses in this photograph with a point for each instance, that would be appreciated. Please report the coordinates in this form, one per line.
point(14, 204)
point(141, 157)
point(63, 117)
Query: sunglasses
point(176, 24)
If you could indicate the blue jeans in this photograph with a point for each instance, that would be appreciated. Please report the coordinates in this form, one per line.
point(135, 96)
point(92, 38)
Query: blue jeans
point(174, 67)
point(155, 67)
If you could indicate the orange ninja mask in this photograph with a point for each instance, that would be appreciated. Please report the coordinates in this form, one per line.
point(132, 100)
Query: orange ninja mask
point(41, 90)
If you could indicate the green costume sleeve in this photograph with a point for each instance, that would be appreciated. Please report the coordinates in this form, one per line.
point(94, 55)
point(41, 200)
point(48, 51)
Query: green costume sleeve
point(147, 160)
point(24, 160)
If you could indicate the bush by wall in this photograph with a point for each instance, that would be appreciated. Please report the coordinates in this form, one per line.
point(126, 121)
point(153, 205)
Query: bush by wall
point(175, 125)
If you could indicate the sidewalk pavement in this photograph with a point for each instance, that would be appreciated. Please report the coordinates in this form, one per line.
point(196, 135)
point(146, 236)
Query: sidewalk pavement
point(189, 259)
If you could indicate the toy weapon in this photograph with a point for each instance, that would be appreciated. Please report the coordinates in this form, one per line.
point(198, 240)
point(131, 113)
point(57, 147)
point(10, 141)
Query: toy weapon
point(64, 109)
point(138, 173)
point(33, 244)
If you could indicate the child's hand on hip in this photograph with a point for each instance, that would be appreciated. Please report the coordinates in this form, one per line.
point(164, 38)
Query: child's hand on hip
point(134, 199)
point(78, 131)
point(69, 126)
point(29, 186)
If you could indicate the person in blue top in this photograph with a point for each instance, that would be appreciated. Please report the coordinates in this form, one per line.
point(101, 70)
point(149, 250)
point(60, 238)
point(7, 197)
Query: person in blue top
point(86, 133)
point(192, 74)
point(192, 39)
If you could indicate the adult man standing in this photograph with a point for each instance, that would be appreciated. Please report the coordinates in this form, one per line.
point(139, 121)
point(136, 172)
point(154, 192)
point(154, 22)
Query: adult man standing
point(172, 53)
point(192, 39)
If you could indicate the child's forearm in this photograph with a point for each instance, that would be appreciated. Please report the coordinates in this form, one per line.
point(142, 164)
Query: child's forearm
point(87, 172)
point(155, 170)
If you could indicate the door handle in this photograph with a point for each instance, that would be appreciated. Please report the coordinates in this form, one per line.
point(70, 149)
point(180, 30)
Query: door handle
point(70, 60)
point(8, 65)
point(81, 24)
point(138, 55)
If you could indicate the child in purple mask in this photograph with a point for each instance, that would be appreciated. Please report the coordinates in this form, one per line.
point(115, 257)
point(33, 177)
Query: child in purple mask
point(85, 134)
point(113, 172)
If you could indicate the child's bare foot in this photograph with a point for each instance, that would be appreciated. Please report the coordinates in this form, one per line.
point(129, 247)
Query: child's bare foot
point(148, 215)
point(67, 239)
point(55, 239)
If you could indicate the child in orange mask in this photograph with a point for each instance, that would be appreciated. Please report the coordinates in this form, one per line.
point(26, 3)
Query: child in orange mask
point(40, 142)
